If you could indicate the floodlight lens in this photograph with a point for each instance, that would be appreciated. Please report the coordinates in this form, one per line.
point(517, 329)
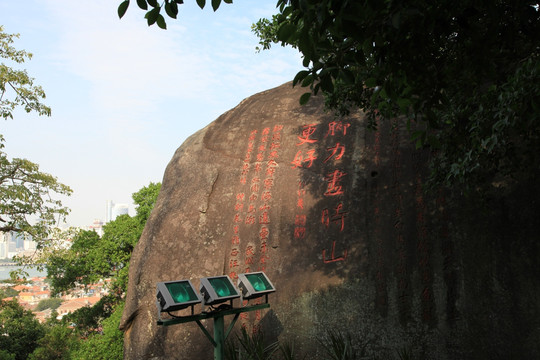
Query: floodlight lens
point(259, 282)
point(222, 287)
point(181, 292)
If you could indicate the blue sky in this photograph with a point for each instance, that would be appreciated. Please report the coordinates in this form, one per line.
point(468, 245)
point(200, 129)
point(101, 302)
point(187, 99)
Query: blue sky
point(125, 96)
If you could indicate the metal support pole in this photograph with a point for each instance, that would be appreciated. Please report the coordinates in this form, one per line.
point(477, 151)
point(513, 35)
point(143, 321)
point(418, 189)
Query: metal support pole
point(219, 338)
point(218, 342)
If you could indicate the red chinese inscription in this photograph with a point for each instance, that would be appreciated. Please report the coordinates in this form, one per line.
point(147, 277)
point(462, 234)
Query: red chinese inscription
point(334, 183)
point(307, 132)
point(333, 257)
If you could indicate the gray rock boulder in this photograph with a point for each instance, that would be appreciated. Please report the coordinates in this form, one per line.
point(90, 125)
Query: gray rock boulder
point(338, 218)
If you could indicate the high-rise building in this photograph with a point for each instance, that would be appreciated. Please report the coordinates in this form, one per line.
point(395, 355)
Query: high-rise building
point(115, 210)
point(110, 205)
point(4, 245)
point(8, 245)
point(28, 242)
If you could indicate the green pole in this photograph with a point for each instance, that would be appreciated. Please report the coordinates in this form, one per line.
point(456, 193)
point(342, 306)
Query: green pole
point(218, 342)
point(219, 338)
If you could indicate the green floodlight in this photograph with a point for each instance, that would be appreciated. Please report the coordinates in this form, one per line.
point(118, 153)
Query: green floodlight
point(176, 295)
point(254, 285)
point(218, 289)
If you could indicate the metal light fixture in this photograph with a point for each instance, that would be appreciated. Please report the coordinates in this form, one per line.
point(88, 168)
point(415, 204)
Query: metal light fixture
point(254, 285)
point(176, 295)
point(218, 289)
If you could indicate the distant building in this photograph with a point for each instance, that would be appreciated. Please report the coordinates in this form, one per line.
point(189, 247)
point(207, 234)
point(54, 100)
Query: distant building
point(4, 245)
point(71, 305)
point(29, 243)
point(115, 210)
point(8, 245)
point(12, 243)
point(97, 226)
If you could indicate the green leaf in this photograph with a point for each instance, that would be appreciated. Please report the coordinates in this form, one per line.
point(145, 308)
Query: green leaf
point(327, 85)
point(404, 104)
point(122, 8)
point(434, 142)
point(347, 76)
point(152, 15)
point(142, 4)
point(171, 9)
point(215, 4)
point(316, 88)
point(153, 3)
point(201, 3)
point(305, 43)
point(228, 1)
point(285, 31)
point(371, 82)
point(308, 80)
point(396, 20)
point(161, 22)
point(300, 76)
point(305, 98)
point(174, 8)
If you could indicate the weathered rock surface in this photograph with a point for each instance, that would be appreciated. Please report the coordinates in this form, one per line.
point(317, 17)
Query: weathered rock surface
point(337, 217)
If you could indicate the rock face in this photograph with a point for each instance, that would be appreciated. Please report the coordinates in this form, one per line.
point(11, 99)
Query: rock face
point(337, 217)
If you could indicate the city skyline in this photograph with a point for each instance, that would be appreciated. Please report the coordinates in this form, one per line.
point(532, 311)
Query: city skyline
point(125, 96)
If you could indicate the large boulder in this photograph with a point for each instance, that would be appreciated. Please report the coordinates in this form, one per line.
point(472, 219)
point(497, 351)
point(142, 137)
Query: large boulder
point(338, 217)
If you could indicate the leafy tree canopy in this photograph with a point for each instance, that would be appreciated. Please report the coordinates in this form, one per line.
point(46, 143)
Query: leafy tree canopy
point(145, 199)
point(20, 330)
point(8, 292)
point(464, 76)
point(6, 355)
point(57, 343)
point(66, 267)
point(27, 195)
point(50, 303)
point(17, 89)
point(89, 319)
point(91, 258)
point(467, 73)
point(105, 346)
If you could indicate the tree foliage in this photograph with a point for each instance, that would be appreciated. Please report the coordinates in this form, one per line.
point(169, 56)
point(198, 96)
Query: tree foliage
point(26, 193)
point(145, 199)
point(17, 89)
point(20, 331)
point(8, 292)
point(68, 267)
point(466, 73)
point(105, 346)
point(91, 258)
point(6, 355)
point(57, 343)
point(50, 303)
point(153, 9)
point(88, 319)
point(463, 75)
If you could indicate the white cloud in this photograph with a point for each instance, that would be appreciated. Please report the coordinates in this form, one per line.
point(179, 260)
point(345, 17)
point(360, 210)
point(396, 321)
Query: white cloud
point(129, 65)
point(126, 95)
